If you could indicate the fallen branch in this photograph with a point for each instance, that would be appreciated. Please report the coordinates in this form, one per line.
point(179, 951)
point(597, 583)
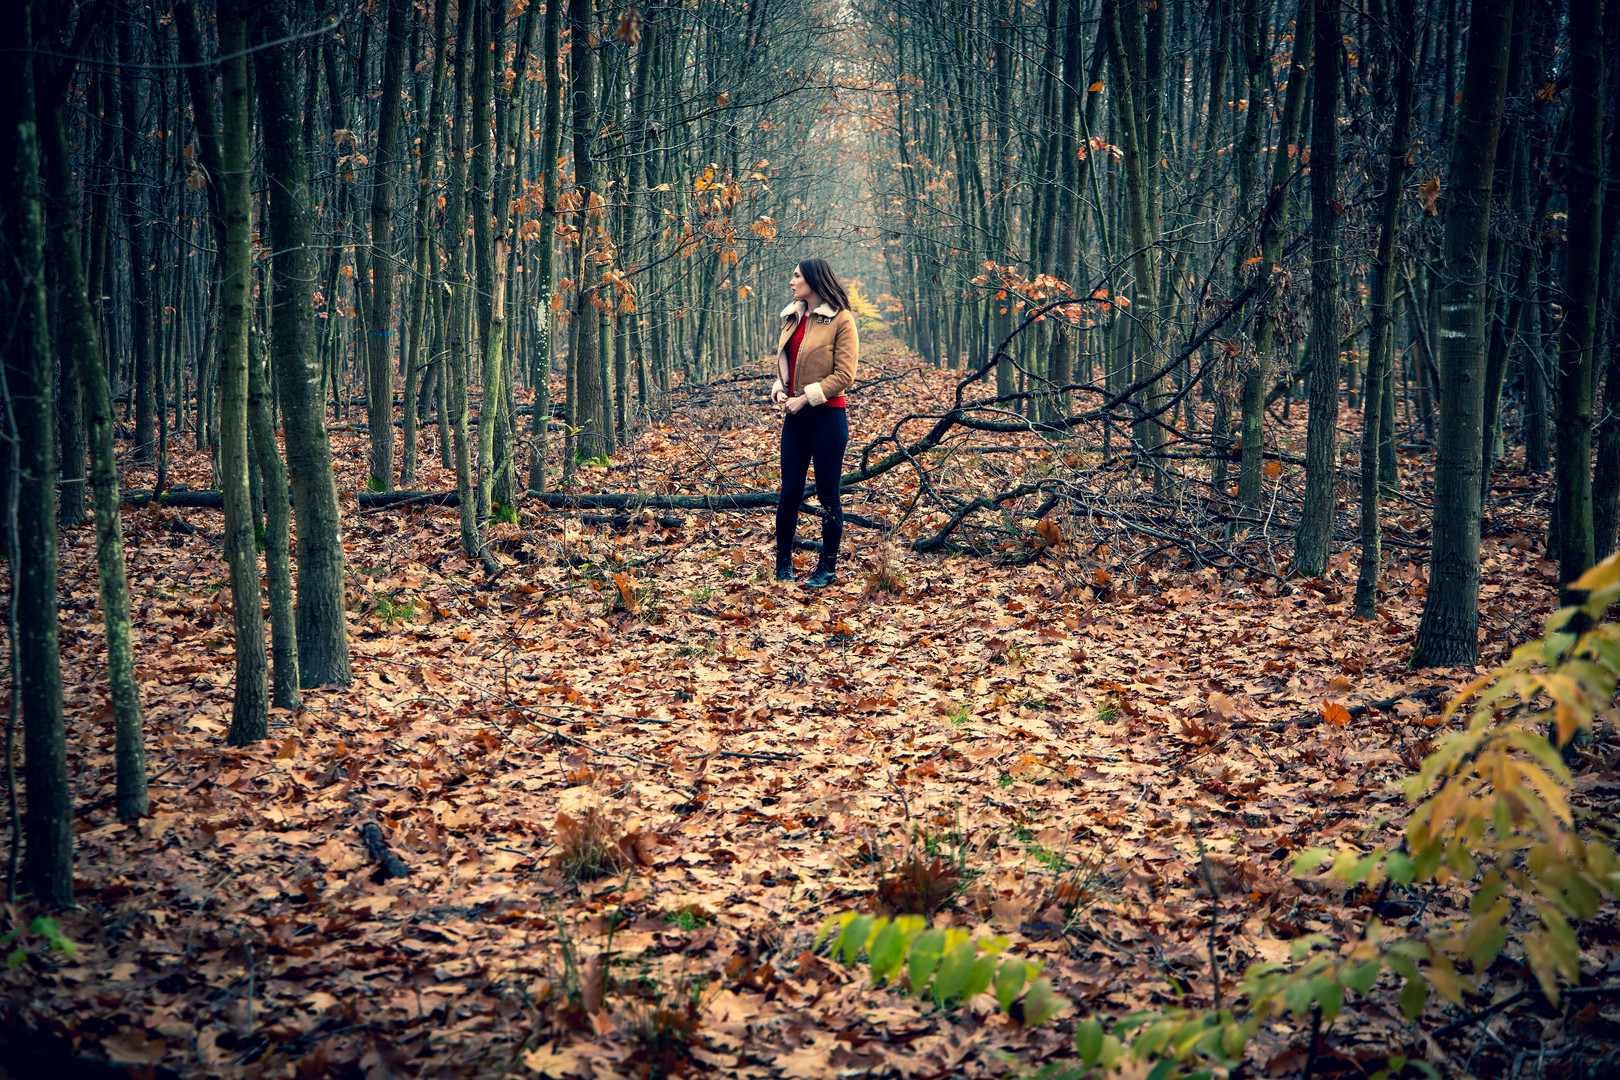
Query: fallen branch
point(1313, 719)
point(551, 500)
point(624, 521)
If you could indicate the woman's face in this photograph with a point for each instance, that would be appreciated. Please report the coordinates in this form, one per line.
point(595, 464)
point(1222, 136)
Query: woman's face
point(801, 288)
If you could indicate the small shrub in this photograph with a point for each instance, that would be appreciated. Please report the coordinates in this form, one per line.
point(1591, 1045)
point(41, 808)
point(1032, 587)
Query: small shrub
point(919, 885)
point(586, 849)
point(688, 917)
point(50, 939)
point(949, 963)
point(932, 871)
point(645, 602)
point(391, 610)
point(887, 576)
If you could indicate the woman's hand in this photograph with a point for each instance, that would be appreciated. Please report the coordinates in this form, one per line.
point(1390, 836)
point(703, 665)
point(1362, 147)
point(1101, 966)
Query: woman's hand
point(779, 397)
point(793, 405)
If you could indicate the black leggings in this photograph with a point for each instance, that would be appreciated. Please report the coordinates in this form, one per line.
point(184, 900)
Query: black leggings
point(816, 433)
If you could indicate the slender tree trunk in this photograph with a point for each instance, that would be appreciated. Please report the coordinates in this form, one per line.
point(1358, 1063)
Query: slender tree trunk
point(1448, 634)
point(1124, 38)
point(36, 671)
point(486, 39)
point(380, 319)
point(1573, 497)
point(277, 571)
point(1313, 538)
point(250, 716)
point(144, 387)
point(1382, 332)
point(322, 633)
point(585, 362)
point(1272, 223)
point(544, 345)
point(456, 332)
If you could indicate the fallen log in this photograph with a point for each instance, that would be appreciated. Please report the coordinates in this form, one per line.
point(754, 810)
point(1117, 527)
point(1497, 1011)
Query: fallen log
point(624, 521)
point(552, 500)
point(199, 500)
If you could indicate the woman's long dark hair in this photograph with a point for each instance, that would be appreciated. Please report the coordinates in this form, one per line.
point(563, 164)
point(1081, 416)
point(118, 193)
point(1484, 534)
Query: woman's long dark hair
point(823, 282)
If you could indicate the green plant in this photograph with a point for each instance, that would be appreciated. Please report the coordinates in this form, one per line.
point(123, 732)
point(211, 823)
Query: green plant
point(391, 609)
point(688, 917)
point(932, 870)
point(376, 484)
point(48, 930)
point(886, 577)
point(949, 963)
point(506, 515)
point(959, 712)
point(599, 460)
point(645, 602)
point(586, 849)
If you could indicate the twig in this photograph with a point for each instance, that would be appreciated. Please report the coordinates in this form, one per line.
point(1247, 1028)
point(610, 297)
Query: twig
point(1316, 1035)
point(1214, 903)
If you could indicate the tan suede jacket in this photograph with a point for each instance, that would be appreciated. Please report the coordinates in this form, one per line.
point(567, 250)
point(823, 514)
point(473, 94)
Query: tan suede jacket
point(828, 355)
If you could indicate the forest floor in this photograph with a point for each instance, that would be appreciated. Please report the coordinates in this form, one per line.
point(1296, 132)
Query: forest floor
point(633, 779)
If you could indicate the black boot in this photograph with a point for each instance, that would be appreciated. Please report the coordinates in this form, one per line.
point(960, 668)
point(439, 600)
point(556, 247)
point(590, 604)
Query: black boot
point(784, 568)
point(823, 577)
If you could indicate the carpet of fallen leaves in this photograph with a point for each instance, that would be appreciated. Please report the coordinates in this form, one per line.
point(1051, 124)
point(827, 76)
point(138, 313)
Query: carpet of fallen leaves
point(1059, 723)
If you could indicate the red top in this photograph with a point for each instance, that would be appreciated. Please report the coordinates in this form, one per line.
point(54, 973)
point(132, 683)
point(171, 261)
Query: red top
point(793, 359)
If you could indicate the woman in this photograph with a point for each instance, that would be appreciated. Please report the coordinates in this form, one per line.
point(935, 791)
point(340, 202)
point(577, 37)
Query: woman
point(815, 364)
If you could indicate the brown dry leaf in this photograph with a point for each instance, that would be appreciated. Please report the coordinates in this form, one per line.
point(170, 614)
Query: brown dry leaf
point(132, 1047)
point(1335, 714)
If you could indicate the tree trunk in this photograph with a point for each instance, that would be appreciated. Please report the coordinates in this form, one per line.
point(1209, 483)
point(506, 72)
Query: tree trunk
point(144, 387)
point(322, 633)
point(585, 362)
point(486, 37)
point(544, 345)
point(1273, 220)
point(380, 320)
point(1313, 539)
point(277, 573)
point(456, 334)
point(1573, 382)
point(1448, 634)
point(1382, 332)
point(250, 715)
point(35, 659)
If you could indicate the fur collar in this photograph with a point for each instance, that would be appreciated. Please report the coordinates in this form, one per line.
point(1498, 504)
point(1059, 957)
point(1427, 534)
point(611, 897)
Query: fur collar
point(796, 310)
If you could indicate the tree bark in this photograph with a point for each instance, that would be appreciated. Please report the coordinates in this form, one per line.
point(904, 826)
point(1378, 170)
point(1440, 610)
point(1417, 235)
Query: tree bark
point(250, 716)
point(321, 630)
point(1573, 380)
point(1272, 222)
point(544, 345)
point(1313, 538)
point(456, 247)
point(380, 322)
point(36, 671)
point(277, 571)
point(1382, 332)
point(144, 386)
point(585, 361)
point(1448, 634)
